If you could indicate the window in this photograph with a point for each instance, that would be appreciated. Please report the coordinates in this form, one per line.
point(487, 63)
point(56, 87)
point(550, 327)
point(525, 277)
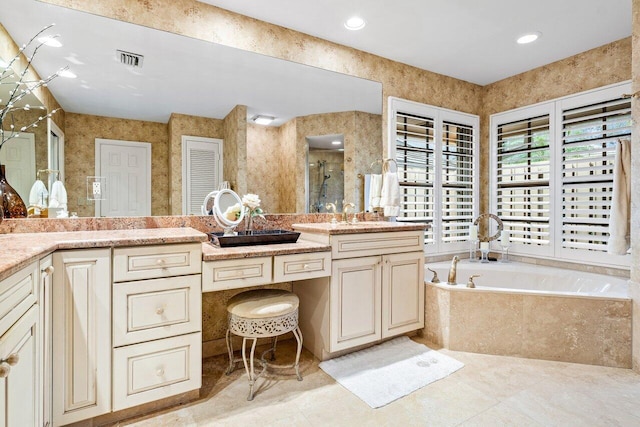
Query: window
point(552, 168)
point(436, 152)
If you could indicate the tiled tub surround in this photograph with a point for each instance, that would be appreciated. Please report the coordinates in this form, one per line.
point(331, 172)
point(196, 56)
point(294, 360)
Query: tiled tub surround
point(531, 311)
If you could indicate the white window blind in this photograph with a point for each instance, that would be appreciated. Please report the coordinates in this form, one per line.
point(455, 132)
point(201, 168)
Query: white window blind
point(457, 181)
point(436, 152)
point(552, 174)
point(522, 175)
point(415, 155)
point(589, 138)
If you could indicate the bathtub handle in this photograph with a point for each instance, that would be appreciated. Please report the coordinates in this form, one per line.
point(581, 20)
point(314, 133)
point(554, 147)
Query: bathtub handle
point(470, 283)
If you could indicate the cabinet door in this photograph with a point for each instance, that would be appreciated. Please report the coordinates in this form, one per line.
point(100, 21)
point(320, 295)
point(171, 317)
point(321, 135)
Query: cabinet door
point(402, 293)
point(81, 335)
point(355, 302)
point(18, 384)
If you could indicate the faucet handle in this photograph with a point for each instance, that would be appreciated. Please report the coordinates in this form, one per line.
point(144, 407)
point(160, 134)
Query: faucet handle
point(435, 278)
point(470, 283)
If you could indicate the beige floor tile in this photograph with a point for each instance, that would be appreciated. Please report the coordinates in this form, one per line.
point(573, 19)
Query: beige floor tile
point(488, 391)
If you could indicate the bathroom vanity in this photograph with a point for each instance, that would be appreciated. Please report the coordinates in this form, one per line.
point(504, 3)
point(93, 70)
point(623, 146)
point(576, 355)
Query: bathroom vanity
point(96, 322)
point(375, 290)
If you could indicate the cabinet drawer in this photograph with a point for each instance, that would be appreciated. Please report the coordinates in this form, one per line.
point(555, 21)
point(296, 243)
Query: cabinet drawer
point(154, 370)
point(368, 244)
point(150, 262)
point(236, 273)
point(17, 294)
point(301, 266)
point(158, 308)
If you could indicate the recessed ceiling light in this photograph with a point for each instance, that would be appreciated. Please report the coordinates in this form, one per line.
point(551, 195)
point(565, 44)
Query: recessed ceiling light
point(336, 142)
point(528, 38)
point(355, 23)
point(50, 41)
point(262, 120)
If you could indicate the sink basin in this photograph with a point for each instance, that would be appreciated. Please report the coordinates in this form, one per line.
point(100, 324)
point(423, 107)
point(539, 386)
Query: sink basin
point(257, 237)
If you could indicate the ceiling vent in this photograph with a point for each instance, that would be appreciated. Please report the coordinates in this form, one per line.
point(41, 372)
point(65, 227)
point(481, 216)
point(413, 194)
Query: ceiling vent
point(130, 59)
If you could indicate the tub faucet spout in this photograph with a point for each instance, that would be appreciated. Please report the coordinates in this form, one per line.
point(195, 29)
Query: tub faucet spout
point(451, 280)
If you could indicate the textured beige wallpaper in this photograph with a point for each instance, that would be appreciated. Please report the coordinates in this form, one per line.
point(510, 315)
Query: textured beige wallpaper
point(80, 134)
point(179, 125)
point(263, 164)
point(287, 178)
point(235, 149)
point(602, 66)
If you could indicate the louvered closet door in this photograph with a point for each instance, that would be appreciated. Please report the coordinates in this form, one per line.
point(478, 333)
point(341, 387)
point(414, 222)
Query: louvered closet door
point(202, 171)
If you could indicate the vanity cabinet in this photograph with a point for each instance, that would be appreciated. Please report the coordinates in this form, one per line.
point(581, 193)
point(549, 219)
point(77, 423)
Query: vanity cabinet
point(20, 356)
point(157, 322)
point(375, 291)
point(81, 334)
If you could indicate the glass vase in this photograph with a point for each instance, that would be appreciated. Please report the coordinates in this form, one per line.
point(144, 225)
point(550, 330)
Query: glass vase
point(12, 203)
point(248, 224)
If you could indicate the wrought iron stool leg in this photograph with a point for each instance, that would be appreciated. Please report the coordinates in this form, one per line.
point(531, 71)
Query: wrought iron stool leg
point(298, 334)
point(232, 364)
point(249, 367)
point(273, 348)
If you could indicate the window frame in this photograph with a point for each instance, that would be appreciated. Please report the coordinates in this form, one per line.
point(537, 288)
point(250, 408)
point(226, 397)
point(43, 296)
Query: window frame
point(556, 107)
point(439, 116)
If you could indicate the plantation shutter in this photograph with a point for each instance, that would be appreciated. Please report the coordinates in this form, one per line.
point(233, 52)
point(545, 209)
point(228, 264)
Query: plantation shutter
point(589, 138)
point(415, 154)
point(457, 181)
point(523, 170)
point(202, 171)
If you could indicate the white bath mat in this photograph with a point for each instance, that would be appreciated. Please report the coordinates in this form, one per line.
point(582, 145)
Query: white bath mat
point(381, 374)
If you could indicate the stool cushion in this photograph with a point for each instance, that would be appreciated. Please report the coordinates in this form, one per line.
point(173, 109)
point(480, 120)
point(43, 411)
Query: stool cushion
point(263, 303)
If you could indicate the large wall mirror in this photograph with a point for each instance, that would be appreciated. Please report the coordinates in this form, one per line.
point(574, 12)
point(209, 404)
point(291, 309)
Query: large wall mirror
point(192, 87)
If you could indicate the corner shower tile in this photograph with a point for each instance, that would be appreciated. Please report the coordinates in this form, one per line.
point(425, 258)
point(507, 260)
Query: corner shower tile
point(564, 329)
point(486, 322)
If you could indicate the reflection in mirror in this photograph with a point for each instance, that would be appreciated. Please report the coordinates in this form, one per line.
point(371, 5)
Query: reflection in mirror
point(489, 227)
point(227, 210)
point(55, 153)
point(325, 172)
point(220, 90)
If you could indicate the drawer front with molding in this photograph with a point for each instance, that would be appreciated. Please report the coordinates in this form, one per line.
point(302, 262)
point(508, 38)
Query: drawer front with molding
point(158, 308)
point(301, 266)
point(236, 273)
point(155, 370)
point(368, 244)
point(17, 294)
point(150, 262)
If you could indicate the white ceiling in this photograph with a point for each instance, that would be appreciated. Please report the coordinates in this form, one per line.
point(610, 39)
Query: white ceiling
point(179, 74)
point(472, 40)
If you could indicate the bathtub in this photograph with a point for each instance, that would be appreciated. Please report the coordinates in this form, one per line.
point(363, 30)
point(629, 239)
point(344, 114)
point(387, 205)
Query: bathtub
point(531, 311)
point(529, 278)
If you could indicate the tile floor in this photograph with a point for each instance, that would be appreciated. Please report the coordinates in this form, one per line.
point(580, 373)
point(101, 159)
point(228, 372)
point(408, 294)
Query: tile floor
point(488, 391)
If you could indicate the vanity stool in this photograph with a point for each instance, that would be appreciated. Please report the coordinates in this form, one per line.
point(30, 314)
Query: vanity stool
point(262, 313)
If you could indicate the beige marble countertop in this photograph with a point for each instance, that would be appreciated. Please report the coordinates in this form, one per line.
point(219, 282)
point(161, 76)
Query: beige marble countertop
point(211, 252)
point(361, 227)
point(17, 250)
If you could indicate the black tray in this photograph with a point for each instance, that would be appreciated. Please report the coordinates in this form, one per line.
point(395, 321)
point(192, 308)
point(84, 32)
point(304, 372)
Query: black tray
point(257, 237)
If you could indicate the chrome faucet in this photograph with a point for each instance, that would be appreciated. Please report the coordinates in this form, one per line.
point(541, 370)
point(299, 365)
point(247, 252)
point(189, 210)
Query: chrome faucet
point(345, 209)
point(451, 280)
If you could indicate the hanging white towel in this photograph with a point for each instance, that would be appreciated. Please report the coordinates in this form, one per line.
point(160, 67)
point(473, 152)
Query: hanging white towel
point(58, 197)
point(375, 191)
point(38, 194)
point(620, 214)
point(390, 194)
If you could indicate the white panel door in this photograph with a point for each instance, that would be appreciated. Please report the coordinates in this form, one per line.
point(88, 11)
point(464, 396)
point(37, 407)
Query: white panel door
point(19, 157)
point(127, 168)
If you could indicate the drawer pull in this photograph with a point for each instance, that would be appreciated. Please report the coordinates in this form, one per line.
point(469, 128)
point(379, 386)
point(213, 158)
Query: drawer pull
point(306, 266)
point(160, 372)
point(160, 262)
point(49, 270)
point(6, 364)
point(160, 311)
